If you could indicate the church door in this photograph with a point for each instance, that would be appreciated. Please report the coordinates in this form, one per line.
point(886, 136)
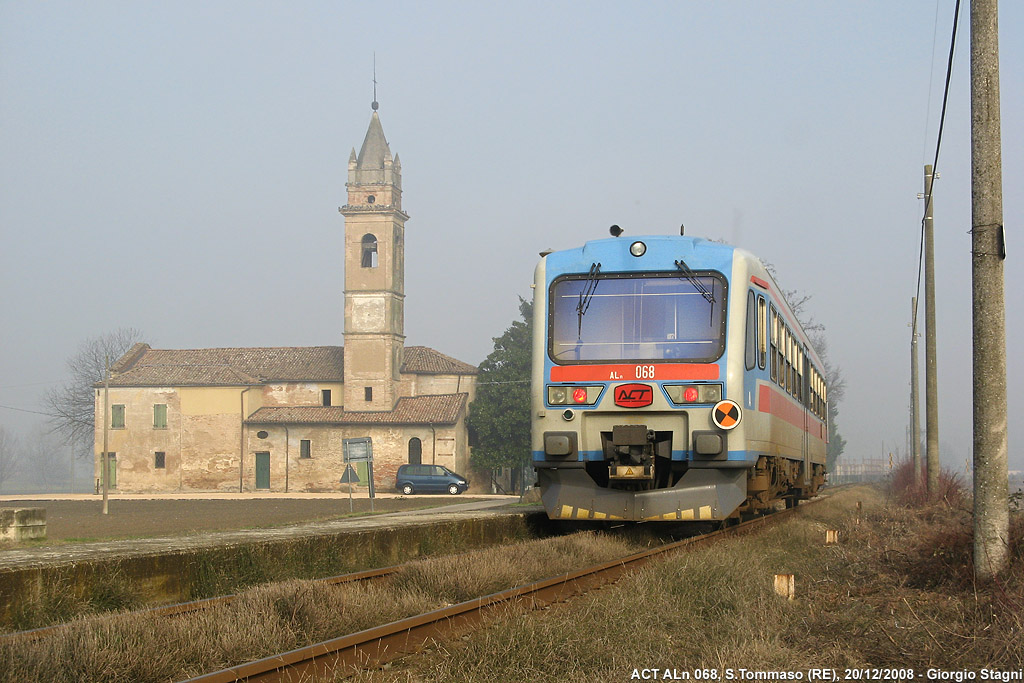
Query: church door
point(263, 470)
point(415, 451)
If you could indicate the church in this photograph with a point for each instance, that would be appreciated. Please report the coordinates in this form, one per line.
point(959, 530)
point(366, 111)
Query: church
point(274, 419)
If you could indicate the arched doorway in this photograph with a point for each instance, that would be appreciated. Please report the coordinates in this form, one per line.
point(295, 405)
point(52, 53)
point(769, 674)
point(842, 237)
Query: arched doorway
point(415, 451)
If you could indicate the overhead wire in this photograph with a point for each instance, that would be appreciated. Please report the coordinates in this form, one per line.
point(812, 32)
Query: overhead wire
point(935, 162)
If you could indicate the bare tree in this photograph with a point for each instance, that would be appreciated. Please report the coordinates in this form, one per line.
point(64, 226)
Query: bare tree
point(48, 463)
point(72, 407)
point(9, 461)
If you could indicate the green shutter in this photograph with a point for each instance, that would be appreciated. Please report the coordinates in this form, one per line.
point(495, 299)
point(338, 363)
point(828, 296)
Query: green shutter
point(160, 416)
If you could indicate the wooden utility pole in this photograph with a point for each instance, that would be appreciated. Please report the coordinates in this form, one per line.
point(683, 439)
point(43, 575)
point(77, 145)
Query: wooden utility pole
point(915, 427)
point(104, 467)
point(931, 382)
point(991, 495)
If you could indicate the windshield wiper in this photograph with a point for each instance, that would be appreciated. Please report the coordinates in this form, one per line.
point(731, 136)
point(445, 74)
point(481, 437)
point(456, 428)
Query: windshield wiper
point(694, 280)
point(586, 294)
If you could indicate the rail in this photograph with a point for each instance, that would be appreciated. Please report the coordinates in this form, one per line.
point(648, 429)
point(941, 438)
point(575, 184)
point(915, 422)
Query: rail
point(390, 641)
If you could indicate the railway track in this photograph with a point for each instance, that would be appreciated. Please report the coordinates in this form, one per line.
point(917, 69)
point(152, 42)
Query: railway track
point(388, 642)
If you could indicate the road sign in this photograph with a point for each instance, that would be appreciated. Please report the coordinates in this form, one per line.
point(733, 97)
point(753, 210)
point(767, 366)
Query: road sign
point(358, 450)
point(350, 476)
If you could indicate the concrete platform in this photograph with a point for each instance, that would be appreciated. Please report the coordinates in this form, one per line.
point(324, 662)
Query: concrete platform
point(70, 553)
point(179, 568)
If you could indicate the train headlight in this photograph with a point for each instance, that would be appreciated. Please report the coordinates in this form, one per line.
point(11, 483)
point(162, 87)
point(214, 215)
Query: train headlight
point(573, 395)
point(684, 394)
point(638, 249)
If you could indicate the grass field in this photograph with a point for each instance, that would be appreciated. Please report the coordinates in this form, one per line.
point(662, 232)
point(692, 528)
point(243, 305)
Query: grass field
point(895, 592)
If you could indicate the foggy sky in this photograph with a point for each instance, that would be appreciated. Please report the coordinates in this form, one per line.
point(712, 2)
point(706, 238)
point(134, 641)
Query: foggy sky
point(177, 168)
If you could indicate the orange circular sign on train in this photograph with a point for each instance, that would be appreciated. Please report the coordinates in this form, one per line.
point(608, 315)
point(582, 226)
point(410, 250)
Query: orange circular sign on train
point(726, 414)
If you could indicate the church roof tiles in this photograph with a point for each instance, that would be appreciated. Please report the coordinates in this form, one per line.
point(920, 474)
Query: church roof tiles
point(143, 366)
point(442, 409)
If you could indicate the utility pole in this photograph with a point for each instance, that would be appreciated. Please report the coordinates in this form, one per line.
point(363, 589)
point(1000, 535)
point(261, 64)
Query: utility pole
point(931, 393)
point(915, 427)
point(991, 488)
point(104, 468)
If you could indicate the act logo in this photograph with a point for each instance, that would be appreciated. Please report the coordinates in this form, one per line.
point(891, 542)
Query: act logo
point(634, 396)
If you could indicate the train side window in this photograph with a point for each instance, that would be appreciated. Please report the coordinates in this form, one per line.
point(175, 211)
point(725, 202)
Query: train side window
point(783, 357)
point(775, 346)
point(788, 361)
point(762, 331)
point(751, 346)
point(802, 384)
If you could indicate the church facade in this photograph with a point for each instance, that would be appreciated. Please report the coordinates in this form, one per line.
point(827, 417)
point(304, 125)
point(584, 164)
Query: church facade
point(274, 419)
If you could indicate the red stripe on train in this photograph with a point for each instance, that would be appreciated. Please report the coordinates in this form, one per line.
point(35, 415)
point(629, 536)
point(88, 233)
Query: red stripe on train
point(630, 373)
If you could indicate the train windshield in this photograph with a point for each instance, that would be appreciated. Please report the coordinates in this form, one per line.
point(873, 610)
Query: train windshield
point(631, 317)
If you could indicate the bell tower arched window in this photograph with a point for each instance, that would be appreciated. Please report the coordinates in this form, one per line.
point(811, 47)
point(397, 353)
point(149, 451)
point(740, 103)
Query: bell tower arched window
point(369, 252)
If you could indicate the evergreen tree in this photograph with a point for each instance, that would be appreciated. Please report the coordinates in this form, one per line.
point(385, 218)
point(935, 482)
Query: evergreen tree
point(499, 417)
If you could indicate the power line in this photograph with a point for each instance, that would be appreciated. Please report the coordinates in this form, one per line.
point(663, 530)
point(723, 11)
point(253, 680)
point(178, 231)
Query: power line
point(938, 143)
point(23, 410)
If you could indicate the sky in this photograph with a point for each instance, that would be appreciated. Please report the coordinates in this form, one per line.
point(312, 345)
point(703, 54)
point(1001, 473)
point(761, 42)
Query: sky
point(177, 167)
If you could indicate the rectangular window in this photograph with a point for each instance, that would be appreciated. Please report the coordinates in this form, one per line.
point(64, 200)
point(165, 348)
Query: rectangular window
point(325, 397)
point(762, 331)
point(305, 449)
point(117, 416)
point(159, 416)
point(775, 346)
point(750, 352)
point(158, 460)
point(626, 317)
point(368, 393)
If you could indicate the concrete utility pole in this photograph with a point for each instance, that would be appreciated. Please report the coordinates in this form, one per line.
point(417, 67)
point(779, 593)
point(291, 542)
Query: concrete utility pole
point(931, 392)
point(991, 495)
point(915, 408)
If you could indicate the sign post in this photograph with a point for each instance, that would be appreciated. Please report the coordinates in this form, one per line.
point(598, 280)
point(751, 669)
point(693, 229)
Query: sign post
point(350, 477)
point(360, 450)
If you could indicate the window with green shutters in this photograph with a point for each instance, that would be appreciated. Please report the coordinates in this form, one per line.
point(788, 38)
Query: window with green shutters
point(117, 416)
point(159, 416)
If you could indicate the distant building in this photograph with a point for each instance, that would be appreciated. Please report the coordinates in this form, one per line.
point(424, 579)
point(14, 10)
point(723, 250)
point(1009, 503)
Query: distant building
point(867, 469)
point(246, 419)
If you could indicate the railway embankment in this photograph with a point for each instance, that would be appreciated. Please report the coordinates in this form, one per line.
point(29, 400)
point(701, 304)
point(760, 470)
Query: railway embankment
point(892, 600)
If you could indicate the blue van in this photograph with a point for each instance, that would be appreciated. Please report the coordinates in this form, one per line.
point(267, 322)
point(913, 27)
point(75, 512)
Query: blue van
point(429, 479)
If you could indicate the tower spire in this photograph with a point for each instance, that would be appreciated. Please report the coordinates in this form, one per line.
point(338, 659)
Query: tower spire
point(374, 105)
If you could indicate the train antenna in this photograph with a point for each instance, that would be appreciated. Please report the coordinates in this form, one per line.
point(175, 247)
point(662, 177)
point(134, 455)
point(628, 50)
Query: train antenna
point(682, 229)
point(615, 230)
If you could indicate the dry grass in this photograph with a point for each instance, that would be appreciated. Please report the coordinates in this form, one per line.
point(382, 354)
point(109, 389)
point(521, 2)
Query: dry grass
point(875, 599)
point(278, 617)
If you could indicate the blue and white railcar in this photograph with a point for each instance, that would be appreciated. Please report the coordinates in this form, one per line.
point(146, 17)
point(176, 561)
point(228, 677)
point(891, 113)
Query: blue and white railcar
point(671, 381)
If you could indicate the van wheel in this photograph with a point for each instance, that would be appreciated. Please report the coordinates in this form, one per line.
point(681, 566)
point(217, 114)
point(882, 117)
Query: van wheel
point(453, 489)
point(407, 489)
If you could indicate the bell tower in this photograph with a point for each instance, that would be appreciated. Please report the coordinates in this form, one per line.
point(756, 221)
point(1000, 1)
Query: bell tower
point(374, 274)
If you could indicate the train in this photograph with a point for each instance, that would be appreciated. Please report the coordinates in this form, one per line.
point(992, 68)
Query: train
point(670, 381)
